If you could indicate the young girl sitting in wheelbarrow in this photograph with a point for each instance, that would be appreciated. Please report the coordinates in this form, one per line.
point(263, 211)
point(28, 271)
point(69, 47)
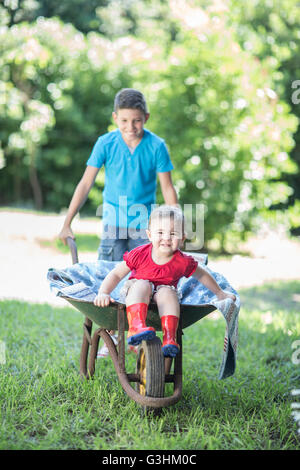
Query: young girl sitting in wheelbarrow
point(156, 269)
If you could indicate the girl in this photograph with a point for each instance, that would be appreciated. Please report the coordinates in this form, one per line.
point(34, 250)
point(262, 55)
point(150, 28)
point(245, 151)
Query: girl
point(156, 269)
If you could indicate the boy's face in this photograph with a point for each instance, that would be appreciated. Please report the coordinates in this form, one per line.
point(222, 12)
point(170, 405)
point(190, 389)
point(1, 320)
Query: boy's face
point(131, 123)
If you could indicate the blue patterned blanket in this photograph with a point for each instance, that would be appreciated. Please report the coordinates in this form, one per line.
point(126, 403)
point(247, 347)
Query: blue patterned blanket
point(82, 281)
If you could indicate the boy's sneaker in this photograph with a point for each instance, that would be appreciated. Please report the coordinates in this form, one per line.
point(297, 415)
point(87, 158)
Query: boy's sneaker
point(103, 352)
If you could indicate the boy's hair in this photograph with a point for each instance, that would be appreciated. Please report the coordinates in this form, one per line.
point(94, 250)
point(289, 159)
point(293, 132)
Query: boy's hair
point(173, 212)
point(128, 98)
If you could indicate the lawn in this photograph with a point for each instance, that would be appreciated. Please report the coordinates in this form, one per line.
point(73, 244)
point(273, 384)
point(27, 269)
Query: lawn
point(46, 405)
point(85, 243)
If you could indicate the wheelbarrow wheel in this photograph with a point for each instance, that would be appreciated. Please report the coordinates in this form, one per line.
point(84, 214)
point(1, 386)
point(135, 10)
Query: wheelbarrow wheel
point(151, 370)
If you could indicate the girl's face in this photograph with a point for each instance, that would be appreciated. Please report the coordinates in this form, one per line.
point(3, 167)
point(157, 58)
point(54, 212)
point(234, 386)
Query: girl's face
point(166, 235)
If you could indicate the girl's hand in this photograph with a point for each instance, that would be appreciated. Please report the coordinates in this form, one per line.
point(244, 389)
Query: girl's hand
point(102, 300)
point(225, 295)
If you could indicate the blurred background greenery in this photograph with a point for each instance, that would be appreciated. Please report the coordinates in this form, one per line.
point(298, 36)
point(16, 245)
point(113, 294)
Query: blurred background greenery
point(222, 80)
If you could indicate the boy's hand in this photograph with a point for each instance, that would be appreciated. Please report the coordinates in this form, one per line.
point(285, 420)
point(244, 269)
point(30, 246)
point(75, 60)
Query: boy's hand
point(65, 233)
point(225, 295)
point(102, 300)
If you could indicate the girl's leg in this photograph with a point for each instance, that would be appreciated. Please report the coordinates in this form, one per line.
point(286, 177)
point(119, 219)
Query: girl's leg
point(137, 300)
point(139, 291)
point(169, 311)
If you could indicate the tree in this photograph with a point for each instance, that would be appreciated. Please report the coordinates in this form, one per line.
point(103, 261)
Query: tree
point(50, 81)
point(269, 30)
point(218, 105)
point(227, 129)
point(80, 13)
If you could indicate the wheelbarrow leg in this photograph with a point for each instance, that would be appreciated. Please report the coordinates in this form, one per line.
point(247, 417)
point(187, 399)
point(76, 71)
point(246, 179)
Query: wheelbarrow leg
point(86, 343)
point(119, 358)
point(93, 353)
point(121, 338)
point(88, 324)
point(178, 362)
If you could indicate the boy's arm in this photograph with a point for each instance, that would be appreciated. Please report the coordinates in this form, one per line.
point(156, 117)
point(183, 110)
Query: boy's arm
point(110, 282)
point(208, 281)
point(167, 188)
point(79, 197)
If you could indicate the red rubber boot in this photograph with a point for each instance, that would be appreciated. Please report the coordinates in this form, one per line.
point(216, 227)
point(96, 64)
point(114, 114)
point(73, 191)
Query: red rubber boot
point(169, 325)
point(138, 331)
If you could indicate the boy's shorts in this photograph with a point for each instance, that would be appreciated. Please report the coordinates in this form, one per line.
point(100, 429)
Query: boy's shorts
point(116, 240)
point(124, 290)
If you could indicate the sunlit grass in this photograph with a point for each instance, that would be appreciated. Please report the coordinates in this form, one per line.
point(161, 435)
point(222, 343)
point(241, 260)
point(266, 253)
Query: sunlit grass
point(46, 405)
point(84, 242)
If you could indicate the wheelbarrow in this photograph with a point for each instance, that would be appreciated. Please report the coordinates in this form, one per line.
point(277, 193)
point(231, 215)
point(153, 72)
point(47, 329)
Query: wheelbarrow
point(153, 370)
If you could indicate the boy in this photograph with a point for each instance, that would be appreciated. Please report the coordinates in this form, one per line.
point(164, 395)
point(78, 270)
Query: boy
point(132, 157)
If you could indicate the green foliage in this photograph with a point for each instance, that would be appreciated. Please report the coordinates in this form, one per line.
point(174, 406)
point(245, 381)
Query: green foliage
point(269, 31)
point(51, 81)
point(82, 14)
point(217, 80)
point(228, 132)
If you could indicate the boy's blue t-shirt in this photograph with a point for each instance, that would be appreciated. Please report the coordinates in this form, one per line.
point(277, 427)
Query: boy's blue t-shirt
point(130, 178)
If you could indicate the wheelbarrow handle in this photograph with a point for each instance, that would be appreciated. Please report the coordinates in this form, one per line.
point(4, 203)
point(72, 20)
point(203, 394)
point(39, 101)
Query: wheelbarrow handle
point(73, 248)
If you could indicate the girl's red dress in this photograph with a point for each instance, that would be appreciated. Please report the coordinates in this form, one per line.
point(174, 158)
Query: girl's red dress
point(142, 266)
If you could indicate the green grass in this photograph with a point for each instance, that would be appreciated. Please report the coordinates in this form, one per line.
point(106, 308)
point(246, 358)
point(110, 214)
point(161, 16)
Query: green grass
point(85, 242)
point(46, 405)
